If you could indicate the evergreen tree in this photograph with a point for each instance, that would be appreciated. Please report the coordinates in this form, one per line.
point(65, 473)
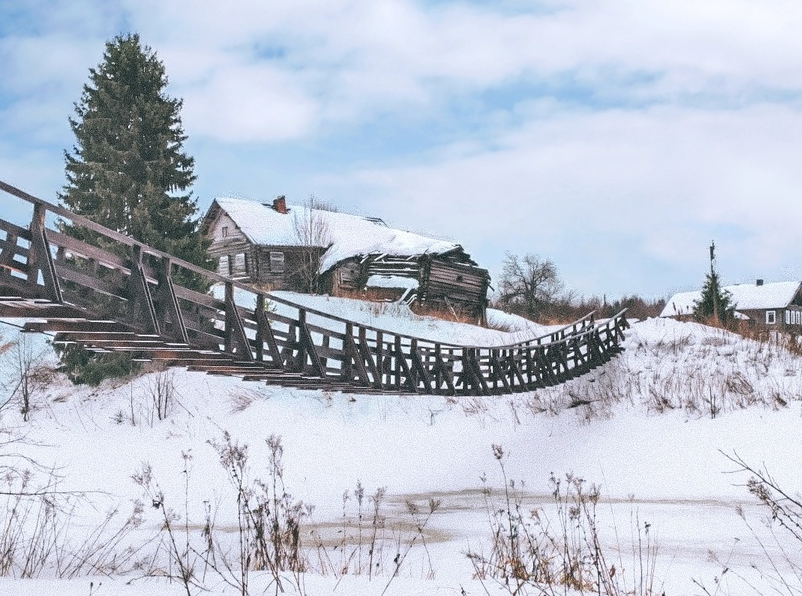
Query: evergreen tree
point(128, 170)
point(714, 302)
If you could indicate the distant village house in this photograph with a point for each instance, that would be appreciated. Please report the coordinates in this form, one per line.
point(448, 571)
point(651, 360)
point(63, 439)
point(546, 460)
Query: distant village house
point(307, 249)
point(774, 305)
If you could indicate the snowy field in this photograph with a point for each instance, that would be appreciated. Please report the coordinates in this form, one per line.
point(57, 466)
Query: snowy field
point(652, 429)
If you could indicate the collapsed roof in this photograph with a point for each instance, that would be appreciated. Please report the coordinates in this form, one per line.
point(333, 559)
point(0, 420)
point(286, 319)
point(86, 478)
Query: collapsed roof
point(343, 235)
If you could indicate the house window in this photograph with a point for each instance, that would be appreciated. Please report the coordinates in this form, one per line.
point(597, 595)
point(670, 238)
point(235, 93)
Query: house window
point(240, 263)
point(788, 317)
point(276, 262)
point(771, 317)
point(224, 231)
point(222, 265)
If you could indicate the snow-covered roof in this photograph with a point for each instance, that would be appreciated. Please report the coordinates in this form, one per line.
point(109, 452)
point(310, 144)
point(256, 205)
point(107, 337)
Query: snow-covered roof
point(744, 297)
point(346, 235)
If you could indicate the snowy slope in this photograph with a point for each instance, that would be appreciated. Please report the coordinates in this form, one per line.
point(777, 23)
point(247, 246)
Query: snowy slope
point(649, 427)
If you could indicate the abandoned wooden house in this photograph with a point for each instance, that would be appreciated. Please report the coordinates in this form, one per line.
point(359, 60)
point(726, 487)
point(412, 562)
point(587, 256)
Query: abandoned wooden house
point(305, 249)
point(775, 305)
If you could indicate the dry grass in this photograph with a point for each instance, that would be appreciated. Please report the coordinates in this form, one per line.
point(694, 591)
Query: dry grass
point(533, 552)
point(702, 375)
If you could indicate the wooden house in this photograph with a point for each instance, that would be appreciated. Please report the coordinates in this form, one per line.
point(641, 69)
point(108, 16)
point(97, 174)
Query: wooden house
point(775, 305)
point(281, 247)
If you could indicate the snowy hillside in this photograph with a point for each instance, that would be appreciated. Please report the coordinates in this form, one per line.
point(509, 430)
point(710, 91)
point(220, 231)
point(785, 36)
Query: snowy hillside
point(651, 428)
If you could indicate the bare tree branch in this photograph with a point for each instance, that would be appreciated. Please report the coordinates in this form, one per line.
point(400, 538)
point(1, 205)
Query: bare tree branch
point(312, 232)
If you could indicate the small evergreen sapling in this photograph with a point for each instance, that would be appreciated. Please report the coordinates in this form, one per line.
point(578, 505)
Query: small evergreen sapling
point(715, 303)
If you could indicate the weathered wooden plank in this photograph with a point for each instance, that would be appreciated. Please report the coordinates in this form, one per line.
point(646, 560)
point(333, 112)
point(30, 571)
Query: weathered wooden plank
point(545, 366)
point(40, 260)
point(367, 356)
point(472, 378)
point(264, 333)
point(353, 355)
point(194, 297)
point(402, 367)
point(443, 373)
point(308, 349)
point(236, 341)
point(13, 255)
point(167, 300)
point(12, 229)
point(498, 372)
point(88, 281)
point(142, 310)
point(12, 285)
point(418, 367)
point(79, 248)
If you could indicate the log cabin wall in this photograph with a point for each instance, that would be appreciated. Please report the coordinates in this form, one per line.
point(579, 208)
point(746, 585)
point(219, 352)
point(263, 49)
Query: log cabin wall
point(344, 279)
point(233, 254)
point(285, 267)
point(272, 267)
point(789, 318)
point(446, 285)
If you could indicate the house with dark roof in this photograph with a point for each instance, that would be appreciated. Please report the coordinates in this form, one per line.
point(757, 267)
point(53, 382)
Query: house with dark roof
point(775, 305)
point(308, 249)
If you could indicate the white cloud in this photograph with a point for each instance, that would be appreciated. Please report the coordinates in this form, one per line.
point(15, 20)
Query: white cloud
point(346, 62)
point(666, 123)
point(666, 180)
point(248, 103)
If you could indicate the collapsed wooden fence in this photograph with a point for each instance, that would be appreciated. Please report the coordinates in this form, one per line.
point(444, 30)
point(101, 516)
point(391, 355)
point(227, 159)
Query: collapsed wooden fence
point(110, 293)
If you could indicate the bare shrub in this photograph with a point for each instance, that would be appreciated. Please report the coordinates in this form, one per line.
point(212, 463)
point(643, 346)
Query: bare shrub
point(268, 520)
point(27, 372)
point(156, 399)
point(160, 387)
point(367, 543)
point(182, 556)
point(40, 523)
point(530, 551)
point(776, 573)
point(241, 399)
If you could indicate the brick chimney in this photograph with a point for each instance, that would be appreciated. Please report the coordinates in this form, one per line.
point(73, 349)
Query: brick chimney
point(280, 204)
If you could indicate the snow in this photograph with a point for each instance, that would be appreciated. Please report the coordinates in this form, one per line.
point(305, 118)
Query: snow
point(391, 281)
point(348, 235)
point(644, 427)
point(744, 296)
point(504, 329)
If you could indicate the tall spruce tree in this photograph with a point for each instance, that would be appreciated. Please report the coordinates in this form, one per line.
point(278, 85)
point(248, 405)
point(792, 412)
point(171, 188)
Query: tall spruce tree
point(128, 170)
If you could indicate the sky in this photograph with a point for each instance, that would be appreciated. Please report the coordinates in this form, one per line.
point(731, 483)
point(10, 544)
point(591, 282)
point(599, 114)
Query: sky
point(617, 138)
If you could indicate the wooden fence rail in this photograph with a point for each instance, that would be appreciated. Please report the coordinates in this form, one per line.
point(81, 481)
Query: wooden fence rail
point(110, 293)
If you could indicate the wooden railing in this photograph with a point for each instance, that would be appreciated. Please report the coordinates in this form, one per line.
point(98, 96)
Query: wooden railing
point(112, 293)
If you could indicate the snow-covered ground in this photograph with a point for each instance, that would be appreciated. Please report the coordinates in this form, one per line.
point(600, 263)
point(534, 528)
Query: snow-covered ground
point(652, 428)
